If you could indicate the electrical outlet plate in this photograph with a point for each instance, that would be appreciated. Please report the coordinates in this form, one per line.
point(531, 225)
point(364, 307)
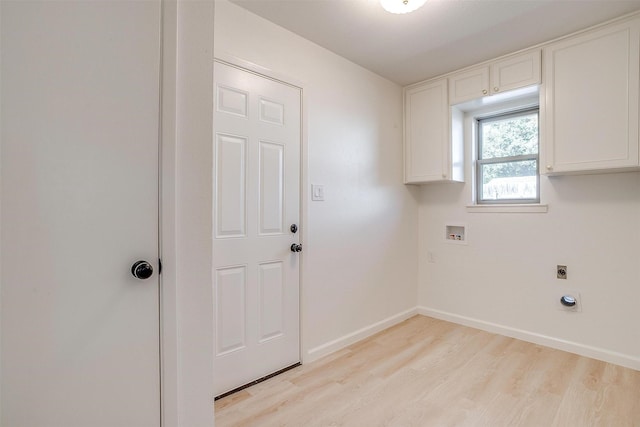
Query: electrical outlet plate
point(561, 272)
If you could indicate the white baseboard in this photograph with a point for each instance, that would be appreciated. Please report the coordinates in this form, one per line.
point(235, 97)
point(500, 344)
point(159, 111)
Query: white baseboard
point(346, 340)
point(545, 340)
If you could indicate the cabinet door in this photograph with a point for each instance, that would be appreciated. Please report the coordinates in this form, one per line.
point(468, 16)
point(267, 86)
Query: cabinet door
point(427, 133)
point(468, 85)
point(591, 101)
point(515, 72)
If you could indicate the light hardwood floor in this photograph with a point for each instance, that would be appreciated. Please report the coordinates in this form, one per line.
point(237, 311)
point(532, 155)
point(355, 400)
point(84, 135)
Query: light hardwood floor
point(428, 372)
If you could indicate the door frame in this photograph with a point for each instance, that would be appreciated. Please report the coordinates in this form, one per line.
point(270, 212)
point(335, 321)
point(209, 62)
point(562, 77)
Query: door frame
point(253, 68)
point(186, 185)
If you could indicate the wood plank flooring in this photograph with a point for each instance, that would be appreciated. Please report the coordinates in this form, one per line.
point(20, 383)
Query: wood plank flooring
point(428, 372)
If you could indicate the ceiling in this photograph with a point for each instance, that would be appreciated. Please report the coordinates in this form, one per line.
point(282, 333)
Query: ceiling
point(442, 36)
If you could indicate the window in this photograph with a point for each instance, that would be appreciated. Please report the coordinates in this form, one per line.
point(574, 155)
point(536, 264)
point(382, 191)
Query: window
point(507, 167)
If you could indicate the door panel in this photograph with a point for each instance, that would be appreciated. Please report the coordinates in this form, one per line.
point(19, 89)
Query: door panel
point(271, 302)
point(230, 321)
point(257, 185)
point(80, 96)
point(231, 177)
point(271, 195)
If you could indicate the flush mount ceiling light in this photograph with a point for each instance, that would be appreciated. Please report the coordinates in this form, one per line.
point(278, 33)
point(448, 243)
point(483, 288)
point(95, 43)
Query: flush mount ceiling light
point(401, 6)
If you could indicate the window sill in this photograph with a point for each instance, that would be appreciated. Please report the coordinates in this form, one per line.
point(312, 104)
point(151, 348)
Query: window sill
point(491, 208)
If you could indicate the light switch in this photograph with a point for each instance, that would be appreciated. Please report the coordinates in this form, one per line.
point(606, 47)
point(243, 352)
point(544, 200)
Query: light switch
point(317, 193)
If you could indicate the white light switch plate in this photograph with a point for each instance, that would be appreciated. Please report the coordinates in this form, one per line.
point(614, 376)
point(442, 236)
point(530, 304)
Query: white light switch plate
point(317, 193)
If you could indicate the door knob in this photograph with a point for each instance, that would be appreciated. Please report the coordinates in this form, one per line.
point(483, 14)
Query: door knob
point(141, 270)
point(296, 248)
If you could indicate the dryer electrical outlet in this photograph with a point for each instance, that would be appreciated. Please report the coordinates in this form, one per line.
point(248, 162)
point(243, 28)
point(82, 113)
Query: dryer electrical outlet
point(561, 272)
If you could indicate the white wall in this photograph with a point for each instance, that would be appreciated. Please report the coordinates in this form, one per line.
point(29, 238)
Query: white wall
point(504, 280)
point(359, 259)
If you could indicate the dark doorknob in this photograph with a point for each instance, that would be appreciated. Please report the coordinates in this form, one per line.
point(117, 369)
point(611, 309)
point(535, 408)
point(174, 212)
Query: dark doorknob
point(296, 248)
point(141, 270)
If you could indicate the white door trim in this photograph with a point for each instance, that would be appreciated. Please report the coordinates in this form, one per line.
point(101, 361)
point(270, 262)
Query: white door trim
point(259, 70)
point(252, 67)
point(168, 301)
point(186, 208)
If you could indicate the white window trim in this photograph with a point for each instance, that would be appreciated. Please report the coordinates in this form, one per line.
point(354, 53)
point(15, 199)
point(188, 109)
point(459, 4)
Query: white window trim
point(515, 208)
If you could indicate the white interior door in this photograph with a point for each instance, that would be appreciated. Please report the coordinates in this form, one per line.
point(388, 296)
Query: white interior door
point(257, 199)
point(80, 104)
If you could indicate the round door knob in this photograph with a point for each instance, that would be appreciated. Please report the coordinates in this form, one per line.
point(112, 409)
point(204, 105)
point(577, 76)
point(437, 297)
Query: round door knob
point(484, 91)
point(495, 89)
point(549, 167)
point(296, 248)
point(141, 270)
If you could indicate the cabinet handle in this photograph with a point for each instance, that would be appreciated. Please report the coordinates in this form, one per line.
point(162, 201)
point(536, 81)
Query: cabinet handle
point(444, 175)
point(549, 167)
point(495, 89)
point(484, 91)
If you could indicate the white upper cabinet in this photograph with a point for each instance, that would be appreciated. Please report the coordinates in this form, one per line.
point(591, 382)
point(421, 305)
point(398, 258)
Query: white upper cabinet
point(515, 72)
point(590, 110)
point(427, 143)
point(468, 85)
point(512, 72)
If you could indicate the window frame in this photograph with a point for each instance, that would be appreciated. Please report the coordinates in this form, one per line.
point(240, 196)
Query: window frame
point(479, 162)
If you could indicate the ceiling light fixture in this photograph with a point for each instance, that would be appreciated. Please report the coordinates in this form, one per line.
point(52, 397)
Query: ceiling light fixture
point(401, 6)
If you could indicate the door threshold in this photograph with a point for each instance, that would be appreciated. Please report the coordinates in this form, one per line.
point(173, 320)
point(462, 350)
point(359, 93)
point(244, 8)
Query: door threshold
point(259, 380)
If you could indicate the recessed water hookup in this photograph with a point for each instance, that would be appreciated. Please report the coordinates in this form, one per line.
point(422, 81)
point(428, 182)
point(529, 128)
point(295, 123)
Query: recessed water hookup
point(456, 233)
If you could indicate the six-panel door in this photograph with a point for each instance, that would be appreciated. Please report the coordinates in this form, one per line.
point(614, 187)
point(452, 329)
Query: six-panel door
point(256, 200)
